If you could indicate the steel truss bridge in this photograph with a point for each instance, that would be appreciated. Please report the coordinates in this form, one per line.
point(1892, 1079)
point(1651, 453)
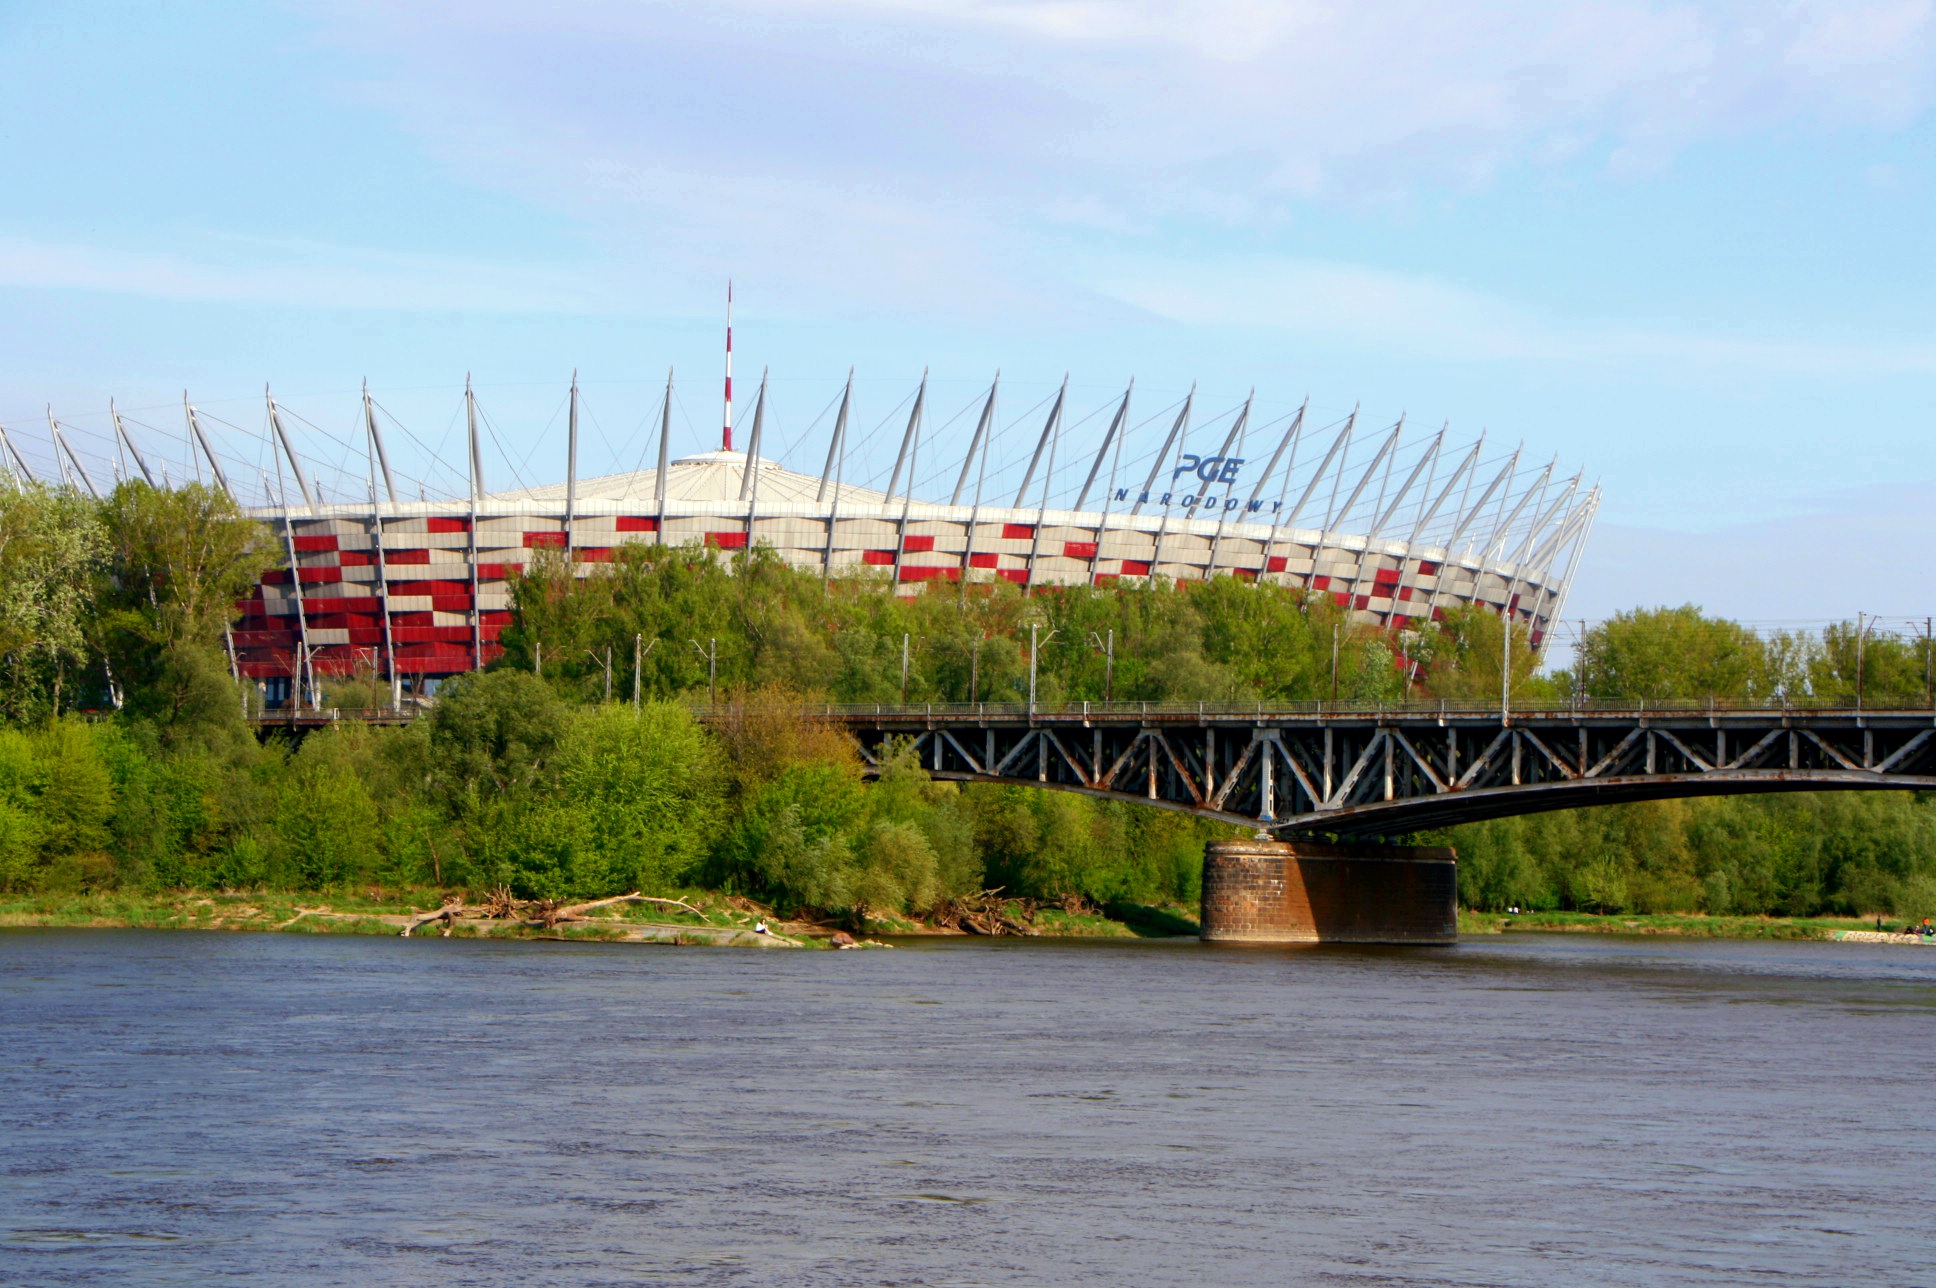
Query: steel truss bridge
point(1382, 772)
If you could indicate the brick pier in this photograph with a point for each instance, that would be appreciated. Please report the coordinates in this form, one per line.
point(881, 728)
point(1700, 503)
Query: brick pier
point(1299, 892)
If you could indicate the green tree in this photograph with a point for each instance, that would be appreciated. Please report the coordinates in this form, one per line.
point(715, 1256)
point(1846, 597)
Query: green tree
point(51, 545)
point(494, 732)
point(1665, 653)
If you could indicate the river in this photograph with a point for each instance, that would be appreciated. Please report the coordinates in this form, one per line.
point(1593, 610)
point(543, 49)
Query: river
point(182, 1108)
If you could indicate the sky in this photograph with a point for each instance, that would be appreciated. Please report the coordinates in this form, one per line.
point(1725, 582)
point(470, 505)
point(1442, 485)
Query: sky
point(1685, 247)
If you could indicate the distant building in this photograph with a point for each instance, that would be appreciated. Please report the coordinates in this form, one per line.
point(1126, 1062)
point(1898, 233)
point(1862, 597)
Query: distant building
point(1397, 532)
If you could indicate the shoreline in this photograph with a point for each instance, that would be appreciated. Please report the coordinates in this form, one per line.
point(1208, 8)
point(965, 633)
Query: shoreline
point(1683, 924)
point(720, 921)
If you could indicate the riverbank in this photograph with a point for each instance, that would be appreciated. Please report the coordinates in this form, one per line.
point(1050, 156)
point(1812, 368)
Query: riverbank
point(1691, 925)
point(697, 920)
point(691, 918)
point(710, 919)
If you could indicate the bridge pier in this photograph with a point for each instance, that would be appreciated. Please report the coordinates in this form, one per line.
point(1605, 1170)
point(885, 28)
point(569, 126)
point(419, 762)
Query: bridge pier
point(1301, 892)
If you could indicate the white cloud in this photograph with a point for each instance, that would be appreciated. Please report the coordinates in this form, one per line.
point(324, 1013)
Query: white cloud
point(1300, 96)
point(302, 275)
point(1429, 317)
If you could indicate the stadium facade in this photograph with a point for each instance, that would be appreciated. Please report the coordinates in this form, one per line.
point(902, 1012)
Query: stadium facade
point(1398, 528)
point(417, 590)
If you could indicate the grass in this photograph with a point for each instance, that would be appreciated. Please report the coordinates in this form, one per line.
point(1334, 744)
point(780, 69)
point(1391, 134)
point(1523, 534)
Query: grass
point(1695, 925)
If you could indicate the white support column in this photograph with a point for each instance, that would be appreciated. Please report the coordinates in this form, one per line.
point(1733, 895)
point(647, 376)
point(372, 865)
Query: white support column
point(1233, 442)
point(282, 437)
point(127, 444)
point(208, 453)
point(832, 476)
point(665, 460)
point(14, 462)
point(976, 449)
point(61, 449)
point(376, 444)
point(1048, 432)
point(571, 480)
point(477, 491)
point(909, 454)
point(976, 444)
point(1177, 431)
point(749, 478)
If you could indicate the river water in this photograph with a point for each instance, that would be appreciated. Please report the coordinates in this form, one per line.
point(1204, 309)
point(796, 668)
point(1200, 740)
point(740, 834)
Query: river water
point(181, 1108)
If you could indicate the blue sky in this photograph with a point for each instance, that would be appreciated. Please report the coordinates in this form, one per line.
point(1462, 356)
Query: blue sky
point(1685, 246)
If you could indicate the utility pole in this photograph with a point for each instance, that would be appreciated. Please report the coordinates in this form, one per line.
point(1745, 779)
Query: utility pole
point(1861, 632)
point(1034, 644)
point(904, 667)
point(1929, 677)
point(537, 658)
point(1334, 662)
point(711, 656)
point(974, 669)
point(638, 659)
point(1505, 668)
point(1107, 645)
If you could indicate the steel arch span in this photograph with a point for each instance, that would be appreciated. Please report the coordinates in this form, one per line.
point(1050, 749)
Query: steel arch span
point(1383, 773)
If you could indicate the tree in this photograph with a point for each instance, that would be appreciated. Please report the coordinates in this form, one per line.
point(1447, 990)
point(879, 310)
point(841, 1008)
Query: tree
point(493, 732)
point(51, 546)
point(1657, 654)
point(176, 561)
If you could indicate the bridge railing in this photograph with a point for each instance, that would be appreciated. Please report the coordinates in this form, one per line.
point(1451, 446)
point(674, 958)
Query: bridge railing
point(850, 711)
point(334, 715)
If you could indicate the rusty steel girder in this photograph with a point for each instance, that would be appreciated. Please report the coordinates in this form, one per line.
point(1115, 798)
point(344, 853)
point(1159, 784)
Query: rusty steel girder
point(1388, 773)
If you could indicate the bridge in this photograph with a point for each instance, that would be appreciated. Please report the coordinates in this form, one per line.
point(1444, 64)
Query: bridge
point(1337, 783)
point(1356, 771)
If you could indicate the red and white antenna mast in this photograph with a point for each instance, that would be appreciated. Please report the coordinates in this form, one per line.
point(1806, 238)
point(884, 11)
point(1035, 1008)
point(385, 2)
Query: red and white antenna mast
point(726, 439)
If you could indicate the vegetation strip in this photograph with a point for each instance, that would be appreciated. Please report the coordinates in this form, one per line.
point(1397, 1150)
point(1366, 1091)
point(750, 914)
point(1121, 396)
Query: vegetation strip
point(129, 771)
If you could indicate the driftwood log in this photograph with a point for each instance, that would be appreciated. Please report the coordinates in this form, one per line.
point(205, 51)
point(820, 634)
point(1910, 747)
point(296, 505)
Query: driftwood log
point(986, 913)
point(543, 914)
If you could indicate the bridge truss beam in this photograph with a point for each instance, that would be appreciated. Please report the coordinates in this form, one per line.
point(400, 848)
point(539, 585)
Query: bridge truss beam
point(1392, 774)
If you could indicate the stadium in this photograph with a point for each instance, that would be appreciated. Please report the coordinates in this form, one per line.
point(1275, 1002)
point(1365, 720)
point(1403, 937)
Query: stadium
point(1397, 526)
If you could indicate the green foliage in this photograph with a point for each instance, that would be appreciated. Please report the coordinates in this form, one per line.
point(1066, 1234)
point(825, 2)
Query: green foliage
point(535, 782)
point(494, 732)
point(51, 546)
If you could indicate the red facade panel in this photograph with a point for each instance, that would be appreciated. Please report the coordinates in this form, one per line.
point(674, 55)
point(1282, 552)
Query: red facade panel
point(538, 540)
point(320, 576)
point(305, 545)
point(447, 525)
point(916, 545)
point(1019, 576)
point(1136, 568)
point(726, 540)
point(984, 561)
point(634, 523)
point(1018, 531)
point(450, 603)
point(878, 558)
point(1276, 563)
point(1079, 549)
point(406, 556)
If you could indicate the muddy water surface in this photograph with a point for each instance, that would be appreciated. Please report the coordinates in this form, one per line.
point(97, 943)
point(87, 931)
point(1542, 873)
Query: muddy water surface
point(180, 1108)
